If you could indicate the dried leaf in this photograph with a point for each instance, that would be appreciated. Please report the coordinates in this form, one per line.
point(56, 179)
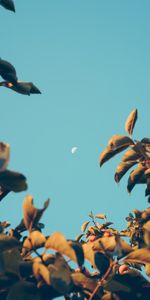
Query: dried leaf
point(32, 214)
point(84, 226)
point(135, 177)
point(141, 255)
point(121, 170)
point(58, 243)
point(130, 122)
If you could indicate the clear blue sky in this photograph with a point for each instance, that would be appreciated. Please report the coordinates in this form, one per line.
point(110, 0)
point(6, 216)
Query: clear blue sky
point(91, 60)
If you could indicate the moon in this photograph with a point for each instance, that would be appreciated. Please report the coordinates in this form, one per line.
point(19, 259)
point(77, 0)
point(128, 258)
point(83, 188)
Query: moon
point(73, 150)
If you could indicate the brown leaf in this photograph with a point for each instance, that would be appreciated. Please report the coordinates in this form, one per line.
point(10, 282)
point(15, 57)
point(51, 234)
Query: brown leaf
point(131, 155)
point(135, 177)
point(121, 170)
point(32, 214)
point(119, 141)
point(130, 122)
point(141, 255)
point(84, 226)
point(4, 156)
point(108, 153)
point(12, 181)
point(58, 243)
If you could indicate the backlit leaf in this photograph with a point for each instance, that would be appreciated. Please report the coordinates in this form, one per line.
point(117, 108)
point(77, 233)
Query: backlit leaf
point(108, 153)
point(100, 216)
point(84, 226)
point(35, 240)
point(135, 177)
point(130, 122)
point(142, 255)
point(32, 214)
point(58, 243)
point(4, 156)
point(119, 141)
point(121, 170)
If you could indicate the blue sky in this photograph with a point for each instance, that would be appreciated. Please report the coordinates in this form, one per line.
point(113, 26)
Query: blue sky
point(91, 60)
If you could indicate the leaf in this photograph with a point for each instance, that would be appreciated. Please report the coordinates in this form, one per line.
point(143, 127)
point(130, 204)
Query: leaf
point(82, 281)
point(12, 181)
point(24, 290)
point(79, 236)
point(102, 262)
point(145, 141)
point(60, 275)
point(9, 261)
point(130, 122)
point(32, 214)
point(8, 4)
point(77, 247)
point(147, 269)
point(108, 153)
point(119, 141)
point(7, 242)
point(131, 155)
point(141, 255)
point(4, 156)
point(58, 243)
point(84, 226)
point(41, 271)
point(35, 240)
point(121, 170)
point(101, 216)
point(89, 253)
point(135, 177)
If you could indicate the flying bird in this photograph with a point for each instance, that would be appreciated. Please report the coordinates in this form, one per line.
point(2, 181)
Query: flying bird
point(21, 87)
point(8, 4)
point(7, 71)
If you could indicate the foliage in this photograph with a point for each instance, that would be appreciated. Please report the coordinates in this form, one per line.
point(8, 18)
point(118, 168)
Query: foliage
point(38, 267)
point(138, 154)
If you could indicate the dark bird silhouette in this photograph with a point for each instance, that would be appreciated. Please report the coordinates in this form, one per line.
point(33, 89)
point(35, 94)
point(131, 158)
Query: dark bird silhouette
point(8, 4)
point(21, 87)
point(7, 71)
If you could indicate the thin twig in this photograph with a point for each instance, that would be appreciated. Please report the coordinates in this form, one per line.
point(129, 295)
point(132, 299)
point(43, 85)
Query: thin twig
point(101, 281)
